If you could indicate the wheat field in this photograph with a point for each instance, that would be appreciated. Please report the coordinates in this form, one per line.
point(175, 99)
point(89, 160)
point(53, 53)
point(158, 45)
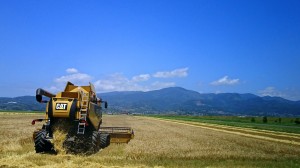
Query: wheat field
point(156, 144)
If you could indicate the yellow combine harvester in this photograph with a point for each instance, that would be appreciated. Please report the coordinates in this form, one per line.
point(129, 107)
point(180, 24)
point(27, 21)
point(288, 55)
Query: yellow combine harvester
point(79, 108)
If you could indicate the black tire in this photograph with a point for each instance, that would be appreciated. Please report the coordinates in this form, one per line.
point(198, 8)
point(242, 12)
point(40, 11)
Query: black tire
point(104, 140)
point(41, 143)
point(95, 146)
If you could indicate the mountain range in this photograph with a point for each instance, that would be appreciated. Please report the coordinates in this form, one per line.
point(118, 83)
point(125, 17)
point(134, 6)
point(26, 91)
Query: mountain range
point(177, 100)
point(181, 101)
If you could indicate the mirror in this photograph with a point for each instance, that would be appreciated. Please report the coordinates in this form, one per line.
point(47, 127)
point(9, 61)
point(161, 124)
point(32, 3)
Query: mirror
point(105, 104)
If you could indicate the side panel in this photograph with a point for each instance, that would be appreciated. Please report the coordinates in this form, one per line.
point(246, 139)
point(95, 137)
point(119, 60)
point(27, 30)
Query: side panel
point(95, 115)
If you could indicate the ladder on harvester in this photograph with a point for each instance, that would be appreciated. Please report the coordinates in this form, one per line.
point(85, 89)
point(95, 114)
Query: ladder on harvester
point(83, 112)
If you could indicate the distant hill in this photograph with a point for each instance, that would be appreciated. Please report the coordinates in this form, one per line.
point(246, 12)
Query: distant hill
point(181, 101)
point(177, 100)
point(22, 103)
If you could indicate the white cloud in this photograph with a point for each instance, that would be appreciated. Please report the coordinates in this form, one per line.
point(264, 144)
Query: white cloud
point(74, 78)
point(160, 85)
point(117, 81)
point(72, 70)
point(287, 93)
point(225, 81)
point(140, 78)
point(54, 89)
point(271, 91)
point(171, 74)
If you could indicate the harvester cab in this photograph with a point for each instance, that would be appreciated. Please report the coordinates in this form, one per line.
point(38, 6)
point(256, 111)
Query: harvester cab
point(78, 111)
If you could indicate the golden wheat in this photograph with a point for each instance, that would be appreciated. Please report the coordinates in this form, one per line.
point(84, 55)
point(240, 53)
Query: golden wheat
point(60, 132)
point(156, 144)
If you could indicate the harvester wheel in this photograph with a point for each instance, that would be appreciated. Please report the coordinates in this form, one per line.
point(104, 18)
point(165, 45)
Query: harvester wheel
point(104, 140)
point(95, 141)
point(41, 143)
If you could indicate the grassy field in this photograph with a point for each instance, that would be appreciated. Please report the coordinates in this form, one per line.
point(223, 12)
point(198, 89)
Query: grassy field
point(273, 124)
point(157, 143)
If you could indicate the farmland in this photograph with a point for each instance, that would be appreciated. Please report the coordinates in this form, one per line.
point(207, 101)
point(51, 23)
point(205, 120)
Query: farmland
point(272, 124)
point(157, 143)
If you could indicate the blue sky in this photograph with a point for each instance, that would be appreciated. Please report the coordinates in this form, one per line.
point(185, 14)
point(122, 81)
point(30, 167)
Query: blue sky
point(208, 46)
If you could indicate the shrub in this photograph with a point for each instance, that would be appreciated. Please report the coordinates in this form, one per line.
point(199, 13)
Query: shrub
point(297, 121)
point(265, 119)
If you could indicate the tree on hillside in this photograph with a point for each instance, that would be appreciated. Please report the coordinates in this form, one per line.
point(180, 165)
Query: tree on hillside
point(265, 119)
point(297, 121)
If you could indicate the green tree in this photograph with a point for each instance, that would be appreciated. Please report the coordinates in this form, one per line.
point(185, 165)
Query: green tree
point(265, 119)
point(297, 121)
point(252, 119)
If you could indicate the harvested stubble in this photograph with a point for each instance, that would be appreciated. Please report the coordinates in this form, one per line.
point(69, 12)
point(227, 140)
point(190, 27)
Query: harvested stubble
point(290, 138)
point(156, 143)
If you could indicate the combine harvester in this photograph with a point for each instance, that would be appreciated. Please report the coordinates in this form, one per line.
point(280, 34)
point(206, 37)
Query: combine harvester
point(77, 109)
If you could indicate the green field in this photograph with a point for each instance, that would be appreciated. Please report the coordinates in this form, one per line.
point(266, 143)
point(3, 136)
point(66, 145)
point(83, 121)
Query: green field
point(272, 124)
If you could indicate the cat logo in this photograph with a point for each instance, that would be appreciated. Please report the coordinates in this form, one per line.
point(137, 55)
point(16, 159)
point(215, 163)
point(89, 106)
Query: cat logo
point(61, 106)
